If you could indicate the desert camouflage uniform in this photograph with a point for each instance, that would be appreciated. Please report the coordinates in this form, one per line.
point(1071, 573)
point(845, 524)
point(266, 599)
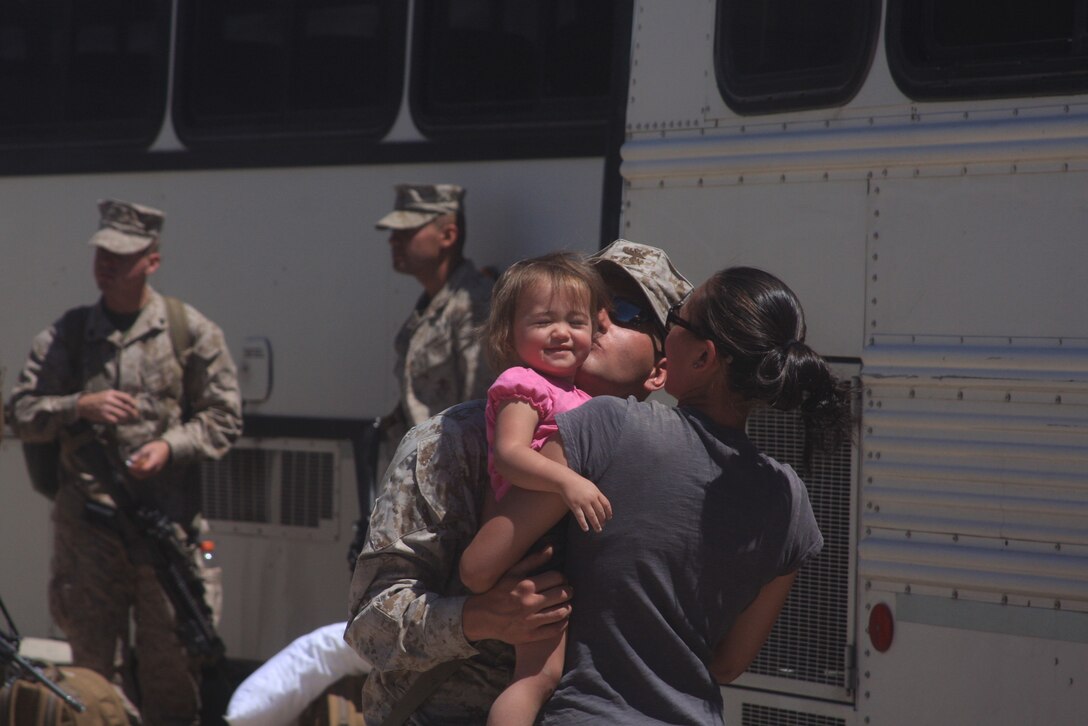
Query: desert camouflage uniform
point(440, 361)
point(95, 580)
point(406, 596)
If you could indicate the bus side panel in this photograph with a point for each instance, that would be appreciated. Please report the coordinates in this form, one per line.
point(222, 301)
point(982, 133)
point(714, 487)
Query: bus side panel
point(812, 235)
point(290, 255)
point(979, 253)
point(26, 545)
point(995, 665)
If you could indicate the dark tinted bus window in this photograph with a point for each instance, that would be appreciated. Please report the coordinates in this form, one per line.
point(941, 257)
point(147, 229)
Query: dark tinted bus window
point(962, 49)
point(782, 55)
point(289, 67)
point(83, 71)
point(513, 62)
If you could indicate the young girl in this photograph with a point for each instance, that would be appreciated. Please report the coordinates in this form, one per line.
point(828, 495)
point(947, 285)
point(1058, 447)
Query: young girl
point(540, 330)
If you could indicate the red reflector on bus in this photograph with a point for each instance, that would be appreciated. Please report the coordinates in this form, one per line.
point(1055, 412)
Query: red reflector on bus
point(881, 627)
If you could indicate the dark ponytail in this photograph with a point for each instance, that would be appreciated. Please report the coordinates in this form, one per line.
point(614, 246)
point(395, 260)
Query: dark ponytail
point(754, 318)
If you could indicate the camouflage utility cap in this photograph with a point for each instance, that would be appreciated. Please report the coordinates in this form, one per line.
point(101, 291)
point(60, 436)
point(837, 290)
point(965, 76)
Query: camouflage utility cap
point(651, 269)
point(126, 228)
point(418, 204)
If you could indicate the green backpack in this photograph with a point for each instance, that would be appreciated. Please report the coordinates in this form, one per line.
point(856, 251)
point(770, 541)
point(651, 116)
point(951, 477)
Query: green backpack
point(43, 458)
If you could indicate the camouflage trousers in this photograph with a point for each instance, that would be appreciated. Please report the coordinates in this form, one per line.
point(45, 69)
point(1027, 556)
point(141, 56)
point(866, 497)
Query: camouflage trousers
point(117, 618)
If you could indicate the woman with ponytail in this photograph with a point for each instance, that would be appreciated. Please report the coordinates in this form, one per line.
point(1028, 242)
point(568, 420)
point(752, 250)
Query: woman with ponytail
point(678, 593)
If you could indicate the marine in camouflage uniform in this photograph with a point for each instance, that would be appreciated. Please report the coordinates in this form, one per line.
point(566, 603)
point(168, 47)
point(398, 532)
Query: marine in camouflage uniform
point(439, 360)
point(410, 610)
point(196, 412)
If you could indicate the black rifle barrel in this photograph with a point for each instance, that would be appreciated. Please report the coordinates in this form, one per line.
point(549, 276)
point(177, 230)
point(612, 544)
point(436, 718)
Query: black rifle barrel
point(10, 654)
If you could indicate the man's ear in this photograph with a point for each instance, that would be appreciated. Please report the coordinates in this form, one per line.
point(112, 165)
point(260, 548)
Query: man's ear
point(655, 381)
point(153, 262)
point(448, 233)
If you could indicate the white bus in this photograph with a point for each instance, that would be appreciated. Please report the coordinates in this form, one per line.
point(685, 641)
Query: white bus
point(916, 171)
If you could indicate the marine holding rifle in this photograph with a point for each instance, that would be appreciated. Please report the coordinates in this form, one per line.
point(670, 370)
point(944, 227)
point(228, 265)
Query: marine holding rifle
point(151, 380)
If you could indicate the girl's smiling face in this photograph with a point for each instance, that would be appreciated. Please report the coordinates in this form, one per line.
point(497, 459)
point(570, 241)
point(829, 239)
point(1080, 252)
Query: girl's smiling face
point(553, 329)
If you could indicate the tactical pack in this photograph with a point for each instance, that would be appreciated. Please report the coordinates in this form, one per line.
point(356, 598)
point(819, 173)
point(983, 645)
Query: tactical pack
point(29, 703)
point(43, 458)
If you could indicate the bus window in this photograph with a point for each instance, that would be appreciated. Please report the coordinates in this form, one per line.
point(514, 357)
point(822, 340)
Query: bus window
point(75, 72)
point(516, 63)
point(785, 55)
point(962, 49)
point(279, 68)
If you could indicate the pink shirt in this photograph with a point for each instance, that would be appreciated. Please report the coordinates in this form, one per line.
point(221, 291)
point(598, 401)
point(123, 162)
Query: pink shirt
point(548, 396)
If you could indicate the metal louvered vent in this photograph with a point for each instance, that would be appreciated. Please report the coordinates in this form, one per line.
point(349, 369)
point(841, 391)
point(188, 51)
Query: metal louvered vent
point(810, 641)
point(289, 484)
point(236, 487)
point(756, 715)
point(306, 495)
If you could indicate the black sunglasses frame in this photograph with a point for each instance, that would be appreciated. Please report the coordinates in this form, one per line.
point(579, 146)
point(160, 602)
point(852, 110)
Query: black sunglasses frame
point(642, 320)
point(673, 318)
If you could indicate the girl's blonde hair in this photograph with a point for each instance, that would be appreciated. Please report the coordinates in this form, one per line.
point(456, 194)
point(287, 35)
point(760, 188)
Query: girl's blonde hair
point(566, 273)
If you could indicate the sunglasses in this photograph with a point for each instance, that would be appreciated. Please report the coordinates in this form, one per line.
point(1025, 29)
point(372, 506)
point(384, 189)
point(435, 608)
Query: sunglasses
point(630, 314)
point(673, 319)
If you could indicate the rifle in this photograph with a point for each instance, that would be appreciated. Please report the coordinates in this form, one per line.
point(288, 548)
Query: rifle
point(9, 657)
point(144, 527)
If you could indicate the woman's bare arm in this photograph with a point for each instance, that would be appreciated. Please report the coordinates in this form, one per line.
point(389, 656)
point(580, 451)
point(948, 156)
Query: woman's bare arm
point(735, 652)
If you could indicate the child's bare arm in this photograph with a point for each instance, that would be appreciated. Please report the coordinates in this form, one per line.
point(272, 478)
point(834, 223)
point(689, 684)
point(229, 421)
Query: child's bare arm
point(520, 519)
point(523, 467)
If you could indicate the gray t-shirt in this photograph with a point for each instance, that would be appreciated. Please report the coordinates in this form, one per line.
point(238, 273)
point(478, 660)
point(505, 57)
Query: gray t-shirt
point(702, 520)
